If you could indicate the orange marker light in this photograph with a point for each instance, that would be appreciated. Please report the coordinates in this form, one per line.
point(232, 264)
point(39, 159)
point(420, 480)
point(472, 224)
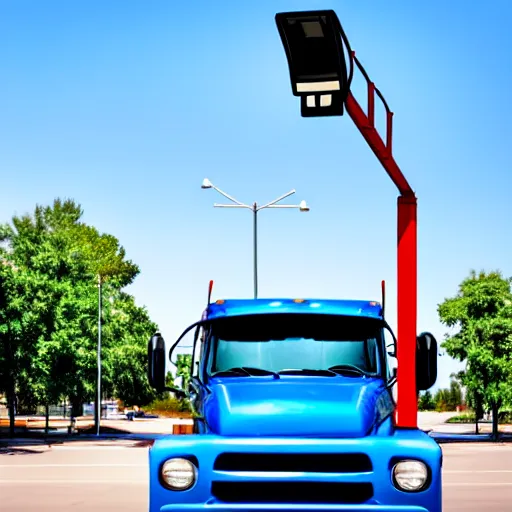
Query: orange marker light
point(299, 301)
point(220, 301)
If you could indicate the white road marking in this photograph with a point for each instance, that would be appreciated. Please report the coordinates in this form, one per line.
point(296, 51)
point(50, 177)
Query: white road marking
point(478, 484)
point(128, 465)
point(456, 471)
point(474, 447)
point(145, 482)
point(81, 448)
point(74, 482)
point(73, 465)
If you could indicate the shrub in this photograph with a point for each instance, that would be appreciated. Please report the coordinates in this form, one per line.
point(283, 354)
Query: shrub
point(463, 418)
point(169, 407)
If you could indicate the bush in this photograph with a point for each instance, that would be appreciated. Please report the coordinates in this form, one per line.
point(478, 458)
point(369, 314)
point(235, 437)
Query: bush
point(169, 407)
point(505, 417)
point(463, 418)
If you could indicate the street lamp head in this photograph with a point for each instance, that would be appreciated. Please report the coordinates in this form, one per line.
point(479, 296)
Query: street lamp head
point(313, 43)
point(206, 183)
point(303, 207)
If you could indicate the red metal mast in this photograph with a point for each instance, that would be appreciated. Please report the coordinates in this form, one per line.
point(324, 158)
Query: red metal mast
point(406, 414)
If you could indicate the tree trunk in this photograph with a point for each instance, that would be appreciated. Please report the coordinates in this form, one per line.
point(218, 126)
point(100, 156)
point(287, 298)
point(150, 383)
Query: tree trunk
point(76, 405)
point(11, 382)
point(478, 410)
point(495, 410)
point(47, 418)
point(10, 404)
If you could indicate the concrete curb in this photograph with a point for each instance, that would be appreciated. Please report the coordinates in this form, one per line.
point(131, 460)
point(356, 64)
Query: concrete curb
point(49, 440)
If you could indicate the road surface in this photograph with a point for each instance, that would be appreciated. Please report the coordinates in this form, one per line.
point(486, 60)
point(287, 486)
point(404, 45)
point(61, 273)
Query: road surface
point(430, 420)
point(85, 476)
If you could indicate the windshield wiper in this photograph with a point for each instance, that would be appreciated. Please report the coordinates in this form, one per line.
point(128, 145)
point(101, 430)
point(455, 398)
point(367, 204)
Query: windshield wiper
point(245, 371)
point(308, 371)
point(347, 368)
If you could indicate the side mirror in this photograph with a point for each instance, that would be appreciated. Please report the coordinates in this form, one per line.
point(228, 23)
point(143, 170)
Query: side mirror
point(156, 362)
point(426, 361)
point(156, 366)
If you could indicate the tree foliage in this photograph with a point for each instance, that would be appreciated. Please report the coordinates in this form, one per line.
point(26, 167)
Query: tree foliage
point(443, 400)
point(481, 312)
point(426, 402)
point(183, 367)
point(50, 266)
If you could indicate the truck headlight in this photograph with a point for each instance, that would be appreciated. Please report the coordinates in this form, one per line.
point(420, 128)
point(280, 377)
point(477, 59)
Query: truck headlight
point(410, 475)
point(178, 474)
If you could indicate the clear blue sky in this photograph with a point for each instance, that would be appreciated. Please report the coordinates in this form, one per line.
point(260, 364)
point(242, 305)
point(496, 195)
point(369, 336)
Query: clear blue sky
point(126, 106)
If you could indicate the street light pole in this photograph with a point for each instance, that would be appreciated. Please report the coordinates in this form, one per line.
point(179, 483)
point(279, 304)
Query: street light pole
point(98, 397)
point(255, 248)
point(302, 206)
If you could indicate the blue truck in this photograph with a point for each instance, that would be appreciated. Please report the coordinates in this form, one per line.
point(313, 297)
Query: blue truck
point(294, 410)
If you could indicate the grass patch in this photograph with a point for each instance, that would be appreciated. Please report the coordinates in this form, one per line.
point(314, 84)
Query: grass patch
point(463, 418)
point(504, 418)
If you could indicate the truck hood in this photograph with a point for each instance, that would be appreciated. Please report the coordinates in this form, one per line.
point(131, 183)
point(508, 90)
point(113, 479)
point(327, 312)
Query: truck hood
point(293, 406)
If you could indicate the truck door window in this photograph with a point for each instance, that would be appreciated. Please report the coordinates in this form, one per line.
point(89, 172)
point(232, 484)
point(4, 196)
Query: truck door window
point(184, 347)
point(390, 352)
point(198, 351)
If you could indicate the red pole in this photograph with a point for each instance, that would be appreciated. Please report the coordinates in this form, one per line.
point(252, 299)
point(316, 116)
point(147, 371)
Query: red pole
point(407, 402)
point(406, 414)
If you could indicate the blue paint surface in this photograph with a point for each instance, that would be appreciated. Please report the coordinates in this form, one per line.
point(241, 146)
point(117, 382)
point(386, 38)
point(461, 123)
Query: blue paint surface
point(293, 406)
point(235, 307)
point(382, 450)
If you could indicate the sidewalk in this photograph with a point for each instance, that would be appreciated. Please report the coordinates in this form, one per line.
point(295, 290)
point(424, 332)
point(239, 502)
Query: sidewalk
point(31, 430)
point(138, 429)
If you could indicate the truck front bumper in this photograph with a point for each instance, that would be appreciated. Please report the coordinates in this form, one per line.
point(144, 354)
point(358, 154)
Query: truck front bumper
point(274, 484)
point(279, 507)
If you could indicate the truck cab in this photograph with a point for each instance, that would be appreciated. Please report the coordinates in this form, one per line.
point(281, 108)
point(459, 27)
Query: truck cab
point(294, 409)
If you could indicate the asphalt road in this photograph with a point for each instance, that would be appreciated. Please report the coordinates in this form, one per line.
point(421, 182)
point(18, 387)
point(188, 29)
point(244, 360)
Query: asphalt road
point(113, 476)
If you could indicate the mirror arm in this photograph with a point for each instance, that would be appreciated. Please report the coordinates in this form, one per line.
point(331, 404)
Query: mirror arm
point(392, 380)
point(179, 392)
point(391, 383)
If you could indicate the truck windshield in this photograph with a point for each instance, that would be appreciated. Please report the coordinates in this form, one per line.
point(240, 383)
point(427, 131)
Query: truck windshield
point(281, 343)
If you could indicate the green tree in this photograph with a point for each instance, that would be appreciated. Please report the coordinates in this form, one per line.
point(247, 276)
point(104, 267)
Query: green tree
point(28, 300)
point(426, 402)
point(183, 366)
point(442, 400)
point(10, 340)
point(127, 330)
point(455, 395)
point(482, 313)
point(50, 266)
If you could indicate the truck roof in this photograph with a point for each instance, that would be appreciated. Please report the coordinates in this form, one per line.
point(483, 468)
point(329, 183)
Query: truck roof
point(239, 307)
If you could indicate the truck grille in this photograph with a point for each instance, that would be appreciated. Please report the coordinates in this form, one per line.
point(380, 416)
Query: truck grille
point(292, 492)
point(301, 462)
